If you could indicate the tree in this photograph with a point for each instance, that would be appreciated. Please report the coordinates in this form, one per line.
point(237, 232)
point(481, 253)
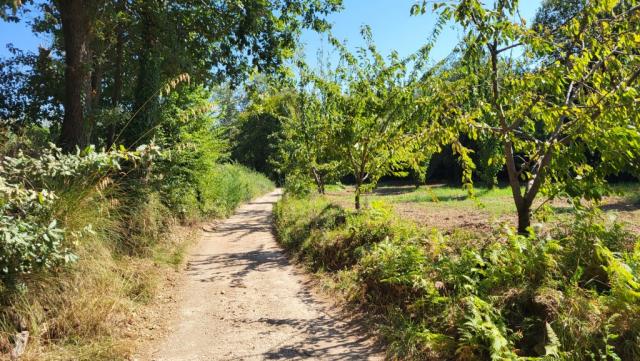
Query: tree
point(8, 9)
point(254, 130)
point(567, 115)
point(371, 104)
point(76, 17)
point(154, 42)
point(31, 88)
point(307, 139)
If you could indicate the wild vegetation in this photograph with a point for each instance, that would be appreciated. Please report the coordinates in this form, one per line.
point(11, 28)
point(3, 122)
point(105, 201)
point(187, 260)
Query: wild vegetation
point(548, 108)
point(568, 293)
point(74, 225)
point(114, 139)
point(141, 118)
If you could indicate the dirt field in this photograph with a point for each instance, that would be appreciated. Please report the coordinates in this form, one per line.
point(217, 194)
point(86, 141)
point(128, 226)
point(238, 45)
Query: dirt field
point(449, 208)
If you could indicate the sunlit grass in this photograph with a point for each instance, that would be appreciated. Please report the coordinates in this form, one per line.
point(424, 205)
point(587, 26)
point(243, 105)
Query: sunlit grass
point(630, 192)
point(496, 201)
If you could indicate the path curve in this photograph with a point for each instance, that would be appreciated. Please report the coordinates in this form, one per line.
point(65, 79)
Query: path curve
point(241, 299)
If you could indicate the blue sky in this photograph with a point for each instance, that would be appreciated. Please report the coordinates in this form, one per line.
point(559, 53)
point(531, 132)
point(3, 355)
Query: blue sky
point(391, 23)
point(20, 35)
point(393, 28)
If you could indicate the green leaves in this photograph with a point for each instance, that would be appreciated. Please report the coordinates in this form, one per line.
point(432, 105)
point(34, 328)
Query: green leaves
point(484, 327)
point(31, 239)
point(556, 97)
point(374, 112)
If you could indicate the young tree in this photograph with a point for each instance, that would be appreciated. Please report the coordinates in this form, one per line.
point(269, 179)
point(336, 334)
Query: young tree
point(307, 136)
point(371, 105)
point(564, 97)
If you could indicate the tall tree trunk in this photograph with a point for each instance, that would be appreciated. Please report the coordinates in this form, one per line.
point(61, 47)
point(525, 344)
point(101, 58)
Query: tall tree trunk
point(149, 82)
point(117, 74)
point(74, 16)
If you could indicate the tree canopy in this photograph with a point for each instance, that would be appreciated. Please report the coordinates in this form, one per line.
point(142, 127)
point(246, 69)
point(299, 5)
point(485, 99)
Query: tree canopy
point(117, 56)
point(560, 96)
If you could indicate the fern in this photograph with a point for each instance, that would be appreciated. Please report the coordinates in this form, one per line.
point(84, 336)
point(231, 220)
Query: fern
point(484, 328)
point(552, 349)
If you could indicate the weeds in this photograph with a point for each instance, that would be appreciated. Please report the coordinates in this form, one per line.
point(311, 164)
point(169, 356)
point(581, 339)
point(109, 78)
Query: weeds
point(119, 236)
point(568, 294)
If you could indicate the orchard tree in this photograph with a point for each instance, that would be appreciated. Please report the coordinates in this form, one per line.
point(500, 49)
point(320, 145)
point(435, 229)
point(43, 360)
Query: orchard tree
point(371, 104)
point(565, 98)
point(307, 145)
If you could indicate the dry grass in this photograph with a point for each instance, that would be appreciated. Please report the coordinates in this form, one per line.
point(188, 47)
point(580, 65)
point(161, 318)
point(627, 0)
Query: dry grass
point(93, 309)
point(97, 309)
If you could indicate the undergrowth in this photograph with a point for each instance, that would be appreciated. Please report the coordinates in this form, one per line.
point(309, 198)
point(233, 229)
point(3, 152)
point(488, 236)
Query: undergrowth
point(572, 293)
point(118, 233)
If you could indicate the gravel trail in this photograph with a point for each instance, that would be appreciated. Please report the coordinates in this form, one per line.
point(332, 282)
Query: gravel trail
point(241, 299)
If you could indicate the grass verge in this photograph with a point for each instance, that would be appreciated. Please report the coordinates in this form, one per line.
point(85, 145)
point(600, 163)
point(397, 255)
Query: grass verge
point(127, 241)
point(572, 294)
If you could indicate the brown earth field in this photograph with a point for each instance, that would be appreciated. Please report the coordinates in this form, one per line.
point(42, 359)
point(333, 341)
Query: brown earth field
point(450, 209)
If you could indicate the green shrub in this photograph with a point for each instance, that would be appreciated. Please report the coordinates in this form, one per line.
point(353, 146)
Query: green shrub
point(32, 239)
point(223, 187)
point(215, 190)
point(570, 294)
point(295, 218)
point(326, 235)
point(298, 184)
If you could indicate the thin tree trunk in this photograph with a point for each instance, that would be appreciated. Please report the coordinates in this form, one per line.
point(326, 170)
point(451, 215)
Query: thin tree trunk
point(524, 217)
point(92, 97)
point(117, 75)
point(96, 85)
point(75, 28)
point(358, 190)
point(514, 183)
point(318, 179)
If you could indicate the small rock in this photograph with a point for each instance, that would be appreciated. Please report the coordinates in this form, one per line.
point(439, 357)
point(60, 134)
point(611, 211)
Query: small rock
point(21, 340)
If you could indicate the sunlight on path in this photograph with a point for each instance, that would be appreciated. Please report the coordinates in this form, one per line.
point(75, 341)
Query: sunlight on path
point(242, 300)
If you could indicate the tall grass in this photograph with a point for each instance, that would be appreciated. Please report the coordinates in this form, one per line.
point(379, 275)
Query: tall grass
point(225, 186)
point(127, 238)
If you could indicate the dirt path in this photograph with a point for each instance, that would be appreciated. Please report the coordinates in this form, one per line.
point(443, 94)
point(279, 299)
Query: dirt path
point(241, 299)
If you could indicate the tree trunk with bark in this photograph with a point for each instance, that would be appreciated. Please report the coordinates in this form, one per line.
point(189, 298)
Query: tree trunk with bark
point(319, 180)
point(117, 74)
point(524, 218)
point(74, 16)
point(358, 191)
